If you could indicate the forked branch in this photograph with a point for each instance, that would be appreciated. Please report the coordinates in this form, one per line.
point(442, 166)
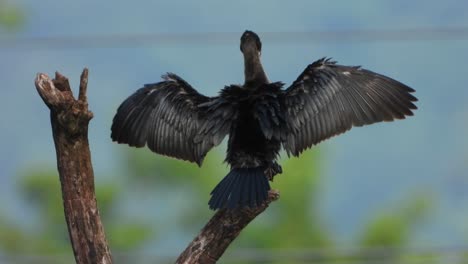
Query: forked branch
point(70, 119)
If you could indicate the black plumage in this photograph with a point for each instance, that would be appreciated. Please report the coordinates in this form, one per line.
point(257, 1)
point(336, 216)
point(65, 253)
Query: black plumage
point(327, 99)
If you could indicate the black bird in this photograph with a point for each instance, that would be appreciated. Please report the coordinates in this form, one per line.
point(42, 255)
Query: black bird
point(327, 99)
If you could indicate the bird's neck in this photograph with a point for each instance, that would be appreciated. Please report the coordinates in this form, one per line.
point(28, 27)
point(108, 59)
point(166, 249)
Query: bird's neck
point(253, 69)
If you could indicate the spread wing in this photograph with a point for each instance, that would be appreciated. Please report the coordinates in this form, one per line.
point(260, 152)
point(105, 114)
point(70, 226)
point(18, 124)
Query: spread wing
point(173, 119)
point(328, 99)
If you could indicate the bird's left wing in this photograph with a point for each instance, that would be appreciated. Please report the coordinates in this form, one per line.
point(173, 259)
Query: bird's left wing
point(328, 99)
point(173, 119)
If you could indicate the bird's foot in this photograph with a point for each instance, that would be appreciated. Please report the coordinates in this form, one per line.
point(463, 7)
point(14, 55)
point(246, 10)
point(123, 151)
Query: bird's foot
point(273, 194)
point(273, 169)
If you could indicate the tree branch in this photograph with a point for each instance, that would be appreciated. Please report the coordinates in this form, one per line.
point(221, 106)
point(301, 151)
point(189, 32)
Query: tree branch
point(219, 233)
point(70, 119)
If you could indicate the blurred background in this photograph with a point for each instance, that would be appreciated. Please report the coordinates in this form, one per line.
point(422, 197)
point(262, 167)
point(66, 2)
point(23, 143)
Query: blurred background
point(386, 193)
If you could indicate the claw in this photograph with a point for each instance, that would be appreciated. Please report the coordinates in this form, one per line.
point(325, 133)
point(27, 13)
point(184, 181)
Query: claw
point(273, 169)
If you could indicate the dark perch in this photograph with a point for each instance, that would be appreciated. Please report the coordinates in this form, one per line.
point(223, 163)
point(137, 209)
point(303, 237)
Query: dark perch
point(70, 119)
point(219, 233)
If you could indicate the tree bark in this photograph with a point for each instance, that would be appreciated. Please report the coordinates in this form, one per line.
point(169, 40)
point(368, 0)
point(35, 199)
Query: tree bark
point(219, 233)
point(70, 119)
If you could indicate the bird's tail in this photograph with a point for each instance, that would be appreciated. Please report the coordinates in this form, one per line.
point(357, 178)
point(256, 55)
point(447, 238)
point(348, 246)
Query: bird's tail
point(241, 187)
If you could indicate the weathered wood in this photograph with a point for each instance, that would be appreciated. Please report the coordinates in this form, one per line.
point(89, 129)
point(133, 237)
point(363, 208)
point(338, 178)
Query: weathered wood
point(70, 119)
point(219, 232)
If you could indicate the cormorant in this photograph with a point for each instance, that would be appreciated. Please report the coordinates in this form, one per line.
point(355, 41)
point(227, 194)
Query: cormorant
point(260, 117)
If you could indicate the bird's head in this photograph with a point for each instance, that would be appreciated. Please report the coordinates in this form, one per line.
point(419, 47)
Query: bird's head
point(250, 43)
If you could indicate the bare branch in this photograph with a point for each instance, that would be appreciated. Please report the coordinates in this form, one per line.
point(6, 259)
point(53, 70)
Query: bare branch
point(70, 119)
point(219, 233)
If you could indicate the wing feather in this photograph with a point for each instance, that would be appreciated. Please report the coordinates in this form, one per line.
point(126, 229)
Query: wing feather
point(328, 99)
point(172, 119)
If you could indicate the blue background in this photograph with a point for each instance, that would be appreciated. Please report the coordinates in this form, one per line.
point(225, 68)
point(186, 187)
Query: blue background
point(127, 44)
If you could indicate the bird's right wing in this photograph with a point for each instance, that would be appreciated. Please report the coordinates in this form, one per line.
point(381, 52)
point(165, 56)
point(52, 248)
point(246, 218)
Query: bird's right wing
point(173, 119)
